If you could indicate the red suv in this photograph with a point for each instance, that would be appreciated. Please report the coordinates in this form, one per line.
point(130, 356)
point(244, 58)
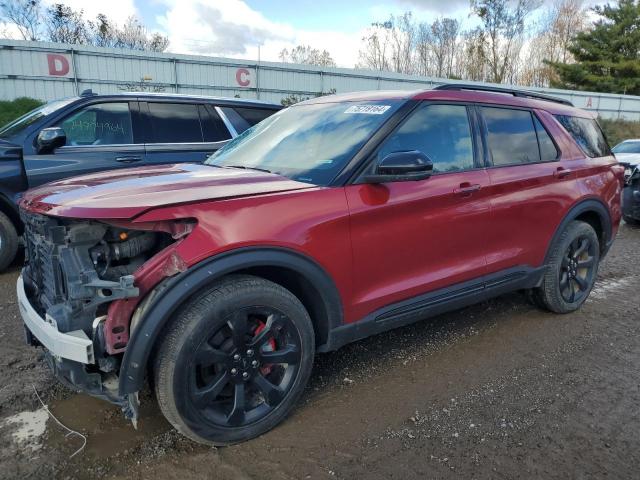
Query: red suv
point(335, 219)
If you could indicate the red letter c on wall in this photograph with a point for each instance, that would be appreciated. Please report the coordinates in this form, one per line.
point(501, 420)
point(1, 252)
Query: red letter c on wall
point(242, 77)
point(58, 64)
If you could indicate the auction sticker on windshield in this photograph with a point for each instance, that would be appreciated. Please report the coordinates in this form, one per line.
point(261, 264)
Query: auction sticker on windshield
point(368, 109)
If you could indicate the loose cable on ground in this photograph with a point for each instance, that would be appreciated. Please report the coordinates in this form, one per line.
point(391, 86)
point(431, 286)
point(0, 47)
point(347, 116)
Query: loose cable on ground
point(69, 431)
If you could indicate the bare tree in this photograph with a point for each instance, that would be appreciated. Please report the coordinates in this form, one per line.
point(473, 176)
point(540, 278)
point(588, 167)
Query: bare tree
point(25, 15)
point(134, 35)
point(374, 54)
point(306, 55)
point(563, 22)
point(445, 39)
point(503, 28)
point(65, 25)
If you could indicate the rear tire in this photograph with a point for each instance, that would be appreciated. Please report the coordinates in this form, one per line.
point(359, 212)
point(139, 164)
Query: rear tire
point(235, 361)
point(571, 269)
point(8, 241)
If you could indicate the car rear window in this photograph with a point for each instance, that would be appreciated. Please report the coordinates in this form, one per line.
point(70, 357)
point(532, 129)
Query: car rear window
point(175, 123)
point(243, 118)
point(511, 135)
point(587, 134)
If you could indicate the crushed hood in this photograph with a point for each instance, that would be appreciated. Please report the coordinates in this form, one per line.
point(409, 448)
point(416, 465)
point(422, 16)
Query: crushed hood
point(120, 194)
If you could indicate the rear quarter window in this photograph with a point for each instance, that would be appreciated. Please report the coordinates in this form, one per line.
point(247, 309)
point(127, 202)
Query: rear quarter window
point(587, 134)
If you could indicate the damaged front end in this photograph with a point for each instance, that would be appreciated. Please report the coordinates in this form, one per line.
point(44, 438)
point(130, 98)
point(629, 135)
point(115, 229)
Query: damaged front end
point(80, 285)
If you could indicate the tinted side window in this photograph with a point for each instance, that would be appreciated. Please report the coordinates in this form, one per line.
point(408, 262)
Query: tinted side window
point(99, 124)
point(175, 123)
point(511, 136)
point(213, 128)
point(548, 150)
point(253, 115)
point(442, 132)
point(587, 134)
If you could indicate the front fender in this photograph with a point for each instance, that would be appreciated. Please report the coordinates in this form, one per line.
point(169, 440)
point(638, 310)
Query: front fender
point(158, 312)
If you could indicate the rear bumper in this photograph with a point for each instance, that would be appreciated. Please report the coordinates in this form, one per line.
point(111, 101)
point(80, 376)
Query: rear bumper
point(75, 345)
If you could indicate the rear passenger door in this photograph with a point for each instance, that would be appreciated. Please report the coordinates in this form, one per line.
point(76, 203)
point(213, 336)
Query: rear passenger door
point(182, 131)
point(532, 185)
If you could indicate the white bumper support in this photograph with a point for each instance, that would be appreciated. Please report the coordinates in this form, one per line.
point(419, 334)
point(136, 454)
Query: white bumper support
point(74, 345)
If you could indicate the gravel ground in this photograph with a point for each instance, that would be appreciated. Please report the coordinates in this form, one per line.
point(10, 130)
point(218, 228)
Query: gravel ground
point(497, 390)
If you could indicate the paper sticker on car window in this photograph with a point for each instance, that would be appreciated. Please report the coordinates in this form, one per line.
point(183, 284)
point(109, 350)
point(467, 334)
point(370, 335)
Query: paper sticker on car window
point(368, 109)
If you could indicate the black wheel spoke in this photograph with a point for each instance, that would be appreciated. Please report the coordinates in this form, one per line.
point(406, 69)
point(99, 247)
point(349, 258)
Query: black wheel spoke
point(207, 355)
point(565, 261)
point(572, 291)
point(236, 417)
point(238, 325)
point(564, 280)
point(208, 394)
point(586, 263)
point(290, 354)
point(273, 322)
point(272, 394)
point(582, 247)
point(582, 283)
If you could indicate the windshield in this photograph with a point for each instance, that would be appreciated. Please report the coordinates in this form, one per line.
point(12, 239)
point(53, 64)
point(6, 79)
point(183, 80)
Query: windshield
point(308, 143)
point(627, 147)
point(17, 126)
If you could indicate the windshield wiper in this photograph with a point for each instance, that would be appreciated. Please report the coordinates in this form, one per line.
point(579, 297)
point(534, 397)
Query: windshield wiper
point(248, 168)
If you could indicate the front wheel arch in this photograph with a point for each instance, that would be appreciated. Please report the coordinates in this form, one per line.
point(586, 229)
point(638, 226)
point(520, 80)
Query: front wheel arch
point(177, 290)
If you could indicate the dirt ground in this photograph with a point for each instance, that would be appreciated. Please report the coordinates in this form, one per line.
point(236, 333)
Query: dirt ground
point(497, 390)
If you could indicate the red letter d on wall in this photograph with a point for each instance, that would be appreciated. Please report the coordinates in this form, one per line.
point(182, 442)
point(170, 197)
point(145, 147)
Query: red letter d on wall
point(58, 64)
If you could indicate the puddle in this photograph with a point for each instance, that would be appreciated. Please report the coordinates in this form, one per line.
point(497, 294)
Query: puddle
point(108, 432)
point(601, 289)
point(28, 427)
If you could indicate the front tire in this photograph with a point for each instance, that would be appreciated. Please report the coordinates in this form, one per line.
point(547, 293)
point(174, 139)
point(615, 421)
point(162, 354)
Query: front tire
point(8, 241)
point(571, 270)
point(235, 361)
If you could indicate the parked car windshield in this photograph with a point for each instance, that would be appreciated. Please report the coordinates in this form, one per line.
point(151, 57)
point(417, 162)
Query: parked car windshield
point(17, 126)
point(309, 143)
point(627, 147)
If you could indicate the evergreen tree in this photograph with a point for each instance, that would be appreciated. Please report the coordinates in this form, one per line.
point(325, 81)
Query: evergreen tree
point(607, 56)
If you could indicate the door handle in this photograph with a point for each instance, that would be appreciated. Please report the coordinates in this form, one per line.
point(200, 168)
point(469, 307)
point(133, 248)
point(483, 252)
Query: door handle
point(561, 172)
point(467, 188)
point(128, 159)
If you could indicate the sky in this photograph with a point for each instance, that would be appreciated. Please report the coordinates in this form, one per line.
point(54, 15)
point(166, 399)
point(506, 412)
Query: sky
point(239, 28)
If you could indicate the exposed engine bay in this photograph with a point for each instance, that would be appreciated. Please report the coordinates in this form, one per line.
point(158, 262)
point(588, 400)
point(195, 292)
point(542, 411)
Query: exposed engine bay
point(74, 271)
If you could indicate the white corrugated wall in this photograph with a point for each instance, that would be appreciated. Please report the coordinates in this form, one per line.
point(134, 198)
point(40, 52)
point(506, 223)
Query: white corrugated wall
point(49, 71)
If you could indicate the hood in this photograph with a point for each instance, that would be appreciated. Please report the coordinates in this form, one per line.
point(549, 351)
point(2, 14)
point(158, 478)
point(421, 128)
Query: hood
point(123, 194)
point(630, 158)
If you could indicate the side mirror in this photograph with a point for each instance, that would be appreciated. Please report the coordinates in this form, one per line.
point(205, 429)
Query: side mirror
point(402, 167)
point(49, 139)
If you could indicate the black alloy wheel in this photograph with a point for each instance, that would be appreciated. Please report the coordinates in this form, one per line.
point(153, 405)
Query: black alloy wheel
point(577, 269)
point(234, 360)
point(246, 367)
point(570, 270)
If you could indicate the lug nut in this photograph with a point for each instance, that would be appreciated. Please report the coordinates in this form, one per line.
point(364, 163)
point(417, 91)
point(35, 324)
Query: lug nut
point(245, 375)
point(254, 363)
point(236, 357)
point(234, 371)
point(250, 352)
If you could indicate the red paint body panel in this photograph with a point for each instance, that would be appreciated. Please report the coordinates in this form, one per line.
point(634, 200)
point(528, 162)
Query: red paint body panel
point(128, 192)
point(380, 244)
point(413, 237)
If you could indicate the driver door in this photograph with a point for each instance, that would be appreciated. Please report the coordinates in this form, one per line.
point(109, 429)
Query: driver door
point(415, 237)
point(99, 137)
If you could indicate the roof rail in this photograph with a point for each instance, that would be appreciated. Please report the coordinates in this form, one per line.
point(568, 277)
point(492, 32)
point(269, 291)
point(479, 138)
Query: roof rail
point(509, 91)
